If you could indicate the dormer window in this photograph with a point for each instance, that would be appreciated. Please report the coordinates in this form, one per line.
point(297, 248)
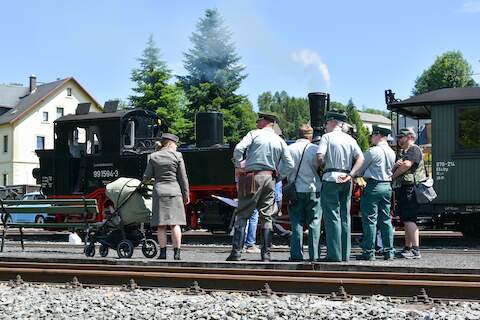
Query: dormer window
point(69, 92)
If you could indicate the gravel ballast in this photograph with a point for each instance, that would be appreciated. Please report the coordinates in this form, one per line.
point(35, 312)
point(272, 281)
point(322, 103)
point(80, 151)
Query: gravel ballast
point(33, 301)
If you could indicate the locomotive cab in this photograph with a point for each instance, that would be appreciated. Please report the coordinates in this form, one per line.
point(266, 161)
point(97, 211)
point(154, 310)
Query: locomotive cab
point(92, 149)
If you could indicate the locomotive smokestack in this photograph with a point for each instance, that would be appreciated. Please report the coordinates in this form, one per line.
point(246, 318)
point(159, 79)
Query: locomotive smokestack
point(209, 129)
point(319, 104)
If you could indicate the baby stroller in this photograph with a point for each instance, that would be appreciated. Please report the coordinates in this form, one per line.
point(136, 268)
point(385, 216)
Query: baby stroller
point(121, 229)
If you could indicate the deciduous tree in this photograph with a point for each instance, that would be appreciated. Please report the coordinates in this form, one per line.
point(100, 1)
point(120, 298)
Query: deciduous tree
point(450, 70)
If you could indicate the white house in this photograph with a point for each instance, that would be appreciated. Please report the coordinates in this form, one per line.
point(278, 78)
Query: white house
point(370, 119)
point(26, 123)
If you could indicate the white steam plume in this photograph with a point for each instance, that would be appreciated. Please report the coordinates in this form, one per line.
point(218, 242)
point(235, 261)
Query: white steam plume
point(311, 59)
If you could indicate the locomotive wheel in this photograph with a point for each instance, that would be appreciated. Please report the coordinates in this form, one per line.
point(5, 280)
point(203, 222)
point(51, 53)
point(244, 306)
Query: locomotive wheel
point(149, 248)
point(89, 249)
point(125, 249)
point(103, 250)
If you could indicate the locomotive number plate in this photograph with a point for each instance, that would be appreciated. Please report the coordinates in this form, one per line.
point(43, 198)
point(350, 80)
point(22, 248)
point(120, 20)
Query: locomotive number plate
point(106, 173)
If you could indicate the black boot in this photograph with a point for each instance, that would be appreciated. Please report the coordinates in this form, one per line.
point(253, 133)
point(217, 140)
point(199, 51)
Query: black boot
point(176, 254)
point(237, 244)
point(163, 254)
point(266, 244)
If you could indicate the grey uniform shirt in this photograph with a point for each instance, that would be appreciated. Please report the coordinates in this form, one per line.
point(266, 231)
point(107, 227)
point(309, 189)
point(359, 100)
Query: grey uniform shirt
point(379, 161)
point(308, 179)
point(340, 151)
point(264, 150)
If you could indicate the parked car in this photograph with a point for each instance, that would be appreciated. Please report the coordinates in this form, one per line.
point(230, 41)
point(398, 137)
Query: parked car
point(35, 217)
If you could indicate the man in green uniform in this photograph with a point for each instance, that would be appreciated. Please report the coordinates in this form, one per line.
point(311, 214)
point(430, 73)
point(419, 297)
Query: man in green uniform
point(306, 209)
point(376, 198)
point(337, 151)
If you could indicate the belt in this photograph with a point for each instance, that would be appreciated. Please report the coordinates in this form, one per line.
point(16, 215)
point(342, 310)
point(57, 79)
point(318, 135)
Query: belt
point(336, 170)
point(375, 180)
point(261, 172)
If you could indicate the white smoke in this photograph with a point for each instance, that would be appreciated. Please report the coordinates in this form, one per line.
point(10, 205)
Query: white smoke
point(471, 7)
point(311, 59)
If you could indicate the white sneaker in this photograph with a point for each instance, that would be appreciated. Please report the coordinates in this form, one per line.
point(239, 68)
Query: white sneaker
point(252, 249)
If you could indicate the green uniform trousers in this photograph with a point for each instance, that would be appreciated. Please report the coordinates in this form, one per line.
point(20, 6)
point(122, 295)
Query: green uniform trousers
point(262, 200)
point(375, 208)
point(305, 211)
point(335, 199)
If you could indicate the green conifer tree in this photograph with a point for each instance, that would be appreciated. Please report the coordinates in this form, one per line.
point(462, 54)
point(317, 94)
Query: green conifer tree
point(155, 93)
point(355, 120)
point(214, 75)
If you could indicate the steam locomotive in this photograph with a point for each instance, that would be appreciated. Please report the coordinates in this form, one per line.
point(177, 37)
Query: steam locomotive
point(93, 149)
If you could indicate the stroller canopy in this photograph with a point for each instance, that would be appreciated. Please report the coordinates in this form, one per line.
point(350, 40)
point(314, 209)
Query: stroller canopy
point(128, 201)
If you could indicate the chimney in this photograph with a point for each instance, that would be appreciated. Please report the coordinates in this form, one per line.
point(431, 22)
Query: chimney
point(319, 104)
point(33, 83)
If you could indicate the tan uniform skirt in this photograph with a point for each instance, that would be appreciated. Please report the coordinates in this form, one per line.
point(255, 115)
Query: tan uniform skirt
point(167, 211)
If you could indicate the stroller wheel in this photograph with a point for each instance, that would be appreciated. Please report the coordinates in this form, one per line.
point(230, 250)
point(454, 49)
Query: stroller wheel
point(149, 248)
point(103, 250)
point(89, 249)
point(125, 249)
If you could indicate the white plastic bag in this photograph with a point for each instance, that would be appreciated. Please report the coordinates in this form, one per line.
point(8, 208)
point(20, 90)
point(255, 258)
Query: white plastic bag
point(73, 238)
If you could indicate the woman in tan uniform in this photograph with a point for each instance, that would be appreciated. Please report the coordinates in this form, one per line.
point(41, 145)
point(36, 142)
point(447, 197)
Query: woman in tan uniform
point(170, 192)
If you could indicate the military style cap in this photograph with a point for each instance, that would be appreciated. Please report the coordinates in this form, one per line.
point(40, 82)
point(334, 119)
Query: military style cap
point(267, 116)
point(332, 115)
point(380, 130)
point(169, 136)
point(405, 132)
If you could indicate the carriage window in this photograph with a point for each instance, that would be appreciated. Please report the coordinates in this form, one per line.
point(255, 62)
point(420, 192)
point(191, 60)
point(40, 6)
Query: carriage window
point(468, 139)
point(129, 137)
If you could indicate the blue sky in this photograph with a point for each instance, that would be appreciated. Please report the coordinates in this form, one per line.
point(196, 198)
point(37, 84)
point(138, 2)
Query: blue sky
point(351, 49)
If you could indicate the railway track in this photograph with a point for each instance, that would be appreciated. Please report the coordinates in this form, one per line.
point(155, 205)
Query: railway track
point(321, 282)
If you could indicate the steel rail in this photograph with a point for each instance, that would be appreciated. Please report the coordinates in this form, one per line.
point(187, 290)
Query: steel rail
point(452, 286)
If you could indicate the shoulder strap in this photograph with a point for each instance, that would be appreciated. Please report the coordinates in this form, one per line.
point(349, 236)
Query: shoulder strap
point(300, 163)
